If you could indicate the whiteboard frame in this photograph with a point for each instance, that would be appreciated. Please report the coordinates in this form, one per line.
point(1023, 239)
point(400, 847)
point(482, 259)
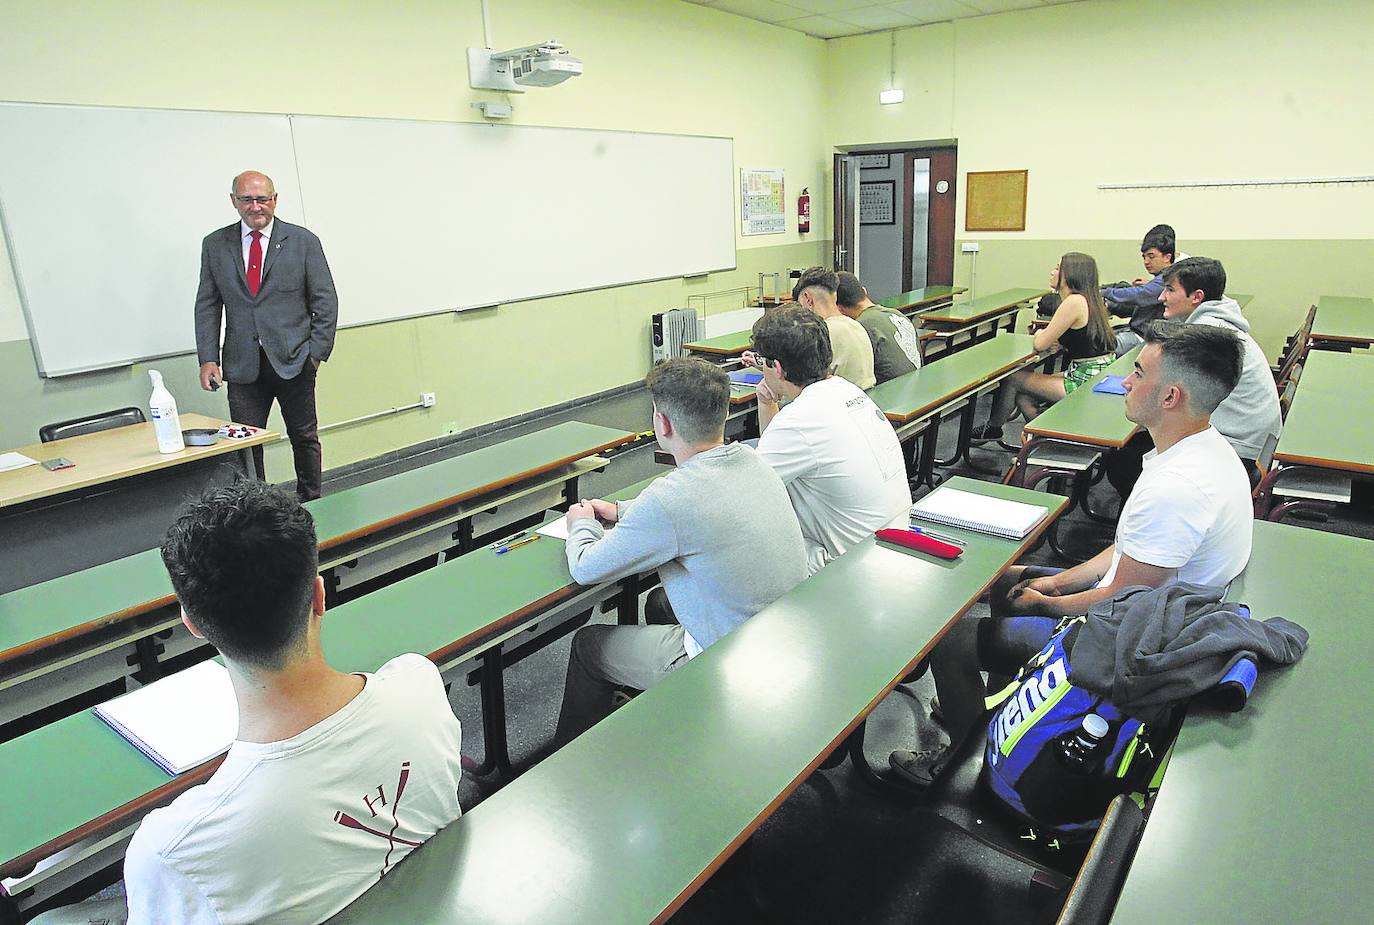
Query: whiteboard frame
point(53, 373)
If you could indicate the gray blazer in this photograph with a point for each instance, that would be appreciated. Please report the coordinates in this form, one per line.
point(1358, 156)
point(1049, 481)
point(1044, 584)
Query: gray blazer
point(293, 316)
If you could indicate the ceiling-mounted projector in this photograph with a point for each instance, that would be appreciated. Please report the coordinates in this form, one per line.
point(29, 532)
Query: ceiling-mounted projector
point(547, 64)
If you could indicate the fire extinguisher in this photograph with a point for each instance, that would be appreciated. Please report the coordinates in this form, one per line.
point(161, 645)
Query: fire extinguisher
point(804, 211)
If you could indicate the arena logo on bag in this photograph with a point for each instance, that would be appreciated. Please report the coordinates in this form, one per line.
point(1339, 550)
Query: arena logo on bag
point(1026, 707)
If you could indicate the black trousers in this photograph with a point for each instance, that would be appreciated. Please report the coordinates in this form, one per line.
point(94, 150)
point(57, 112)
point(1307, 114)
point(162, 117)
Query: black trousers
point(250, 402)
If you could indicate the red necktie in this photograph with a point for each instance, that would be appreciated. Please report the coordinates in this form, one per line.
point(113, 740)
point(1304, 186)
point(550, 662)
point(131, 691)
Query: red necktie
point(255, 263)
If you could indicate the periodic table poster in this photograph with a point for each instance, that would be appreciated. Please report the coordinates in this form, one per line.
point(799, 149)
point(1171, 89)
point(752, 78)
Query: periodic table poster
point(761, 201)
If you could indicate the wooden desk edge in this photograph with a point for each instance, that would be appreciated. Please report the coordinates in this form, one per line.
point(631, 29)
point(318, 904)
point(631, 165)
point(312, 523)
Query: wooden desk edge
point(1319, 462)
point(1079, 438)
point(220, 448)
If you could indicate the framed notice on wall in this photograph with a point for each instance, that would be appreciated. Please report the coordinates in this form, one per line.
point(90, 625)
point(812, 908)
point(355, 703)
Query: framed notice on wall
point(761, 201)
point(876, 202)
point(996, 200)
point(873, 161)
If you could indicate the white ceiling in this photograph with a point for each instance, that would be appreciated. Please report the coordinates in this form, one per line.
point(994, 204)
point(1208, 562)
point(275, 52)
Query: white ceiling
point(829, 19)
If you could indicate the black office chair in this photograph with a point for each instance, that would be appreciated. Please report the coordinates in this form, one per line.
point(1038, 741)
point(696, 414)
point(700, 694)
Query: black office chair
point(90, 424)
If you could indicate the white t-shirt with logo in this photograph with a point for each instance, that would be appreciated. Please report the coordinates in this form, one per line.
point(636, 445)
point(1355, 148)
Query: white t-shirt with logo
point(293, 831)
point(1191, 510)
point(842, 464)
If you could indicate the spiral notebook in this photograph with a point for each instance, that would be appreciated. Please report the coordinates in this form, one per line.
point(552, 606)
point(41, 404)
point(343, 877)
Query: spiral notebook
point(997, 516)
point(181, 721)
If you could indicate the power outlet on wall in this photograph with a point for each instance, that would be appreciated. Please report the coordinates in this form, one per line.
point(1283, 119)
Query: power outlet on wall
point(970, 247)
point(427, 399)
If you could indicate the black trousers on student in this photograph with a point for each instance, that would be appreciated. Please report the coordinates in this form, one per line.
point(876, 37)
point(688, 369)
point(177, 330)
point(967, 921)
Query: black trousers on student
point(250, 402)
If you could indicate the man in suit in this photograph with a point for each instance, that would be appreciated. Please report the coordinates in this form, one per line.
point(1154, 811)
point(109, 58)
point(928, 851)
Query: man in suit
point(270, 283)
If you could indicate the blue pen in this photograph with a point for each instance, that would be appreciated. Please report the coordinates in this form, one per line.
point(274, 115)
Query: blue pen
point(942, 537)
point(516, 545)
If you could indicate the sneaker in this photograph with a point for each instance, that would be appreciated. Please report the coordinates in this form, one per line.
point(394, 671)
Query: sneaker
point(985, 433)
point(920, 767)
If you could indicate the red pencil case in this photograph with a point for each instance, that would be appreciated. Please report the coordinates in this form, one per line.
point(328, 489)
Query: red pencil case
point(913, 540)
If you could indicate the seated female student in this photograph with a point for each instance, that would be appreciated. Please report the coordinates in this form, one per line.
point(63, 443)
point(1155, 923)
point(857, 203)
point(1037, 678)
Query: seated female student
point(1081, 326)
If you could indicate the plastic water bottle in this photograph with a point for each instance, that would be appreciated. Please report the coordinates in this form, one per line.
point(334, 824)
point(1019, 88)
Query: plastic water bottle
point(1078, 750)
point(166, 421)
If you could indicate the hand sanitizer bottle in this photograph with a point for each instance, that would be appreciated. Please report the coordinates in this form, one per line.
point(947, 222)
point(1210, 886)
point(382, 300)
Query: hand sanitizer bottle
point(166, 421)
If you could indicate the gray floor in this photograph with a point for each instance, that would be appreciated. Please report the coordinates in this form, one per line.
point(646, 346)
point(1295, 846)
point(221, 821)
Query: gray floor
point(838, 850)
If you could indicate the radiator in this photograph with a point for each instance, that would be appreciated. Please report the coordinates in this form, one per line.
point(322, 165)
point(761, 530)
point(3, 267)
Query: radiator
point(671, 330)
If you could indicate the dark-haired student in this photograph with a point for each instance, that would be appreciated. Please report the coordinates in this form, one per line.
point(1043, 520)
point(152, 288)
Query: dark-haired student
point(851, 353)
point(1140, 300)
point(719, 529)
point(1195, 293)
point(896, 346)
point(332, 779)
point(833, 448)
point(1080, 325)
point(1189, 519)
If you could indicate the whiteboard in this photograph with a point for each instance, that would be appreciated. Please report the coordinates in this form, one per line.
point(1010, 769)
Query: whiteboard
point(104, 210)
point(420, 217)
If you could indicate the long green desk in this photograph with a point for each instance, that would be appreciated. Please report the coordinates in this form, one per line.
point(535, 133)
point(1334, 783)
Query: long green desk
point(466, 608)
point(916, 394)
point(982, 308)
point(732, 345)
point(961, 324)
point(726, 345)
point(918, 401)
point(1083, 418)
point(921, 299)
point(52, 625)
point(1263, 815)
point(627, 821)
point(1343, 321)
point(1327, 425)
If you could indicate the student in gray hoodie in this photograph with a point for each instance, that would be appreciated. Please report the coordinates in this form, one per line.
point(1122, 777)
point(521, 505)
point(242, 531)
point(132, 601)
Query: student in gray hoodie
point(1195, 292)
point(719, 529)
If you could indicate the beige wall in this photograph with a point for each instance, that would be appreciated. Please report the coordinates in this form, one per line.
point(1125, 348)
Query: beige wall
point(1080, 94)
point(1119, 91)
point(651, 65)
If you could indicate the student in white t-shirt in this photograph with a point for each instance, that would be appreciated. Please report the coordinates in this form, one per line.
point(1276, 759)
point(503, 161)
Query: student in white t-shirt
point(834, 449)
point(1189, 518)
point(332, 779)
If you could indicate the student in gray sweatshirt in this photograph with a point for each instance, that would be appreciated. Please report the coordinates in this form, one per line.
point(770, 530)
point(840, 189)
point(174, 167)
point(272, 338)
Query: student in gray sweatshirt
point(1195, 292)
point(719, 529)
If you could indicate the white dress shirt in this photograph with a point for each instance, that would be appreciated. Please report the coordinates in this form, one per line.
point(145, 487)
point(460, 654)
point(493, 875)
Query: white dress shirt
point(246, 233)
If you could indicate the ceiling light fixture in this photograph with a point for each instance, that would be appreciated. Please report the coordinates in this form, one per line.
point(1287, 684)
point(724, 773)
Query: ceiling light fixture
point(892, 94)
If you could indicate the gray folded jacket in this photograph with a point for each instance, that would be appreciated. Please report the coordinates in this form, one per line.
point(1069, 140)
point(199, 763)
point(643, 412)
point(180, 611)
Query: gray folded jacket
point(1151, 648)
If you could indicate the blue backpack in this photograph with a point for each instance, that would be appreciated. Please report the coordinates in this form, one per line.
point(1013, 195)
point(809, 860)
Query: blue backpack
point(1022, 764)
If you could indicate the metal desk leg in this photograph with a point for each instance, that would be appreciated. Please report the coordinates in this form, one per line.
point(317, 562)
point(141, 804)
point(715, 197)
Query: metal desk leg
point(925, 469)
point(627, 602)
point(570, 496)
point(496, 749)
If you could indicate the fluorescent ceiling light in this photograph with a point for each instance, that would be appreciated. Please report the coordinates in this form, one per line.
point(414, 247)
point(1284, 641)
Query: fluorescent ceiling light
point(891, 96)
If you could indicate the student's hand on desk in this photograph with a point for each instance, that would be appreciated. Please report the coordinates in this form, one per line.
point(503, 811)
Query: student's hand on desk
point(605, 511)
point(1139, 281)
point(210, 376)
point(580, 510)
